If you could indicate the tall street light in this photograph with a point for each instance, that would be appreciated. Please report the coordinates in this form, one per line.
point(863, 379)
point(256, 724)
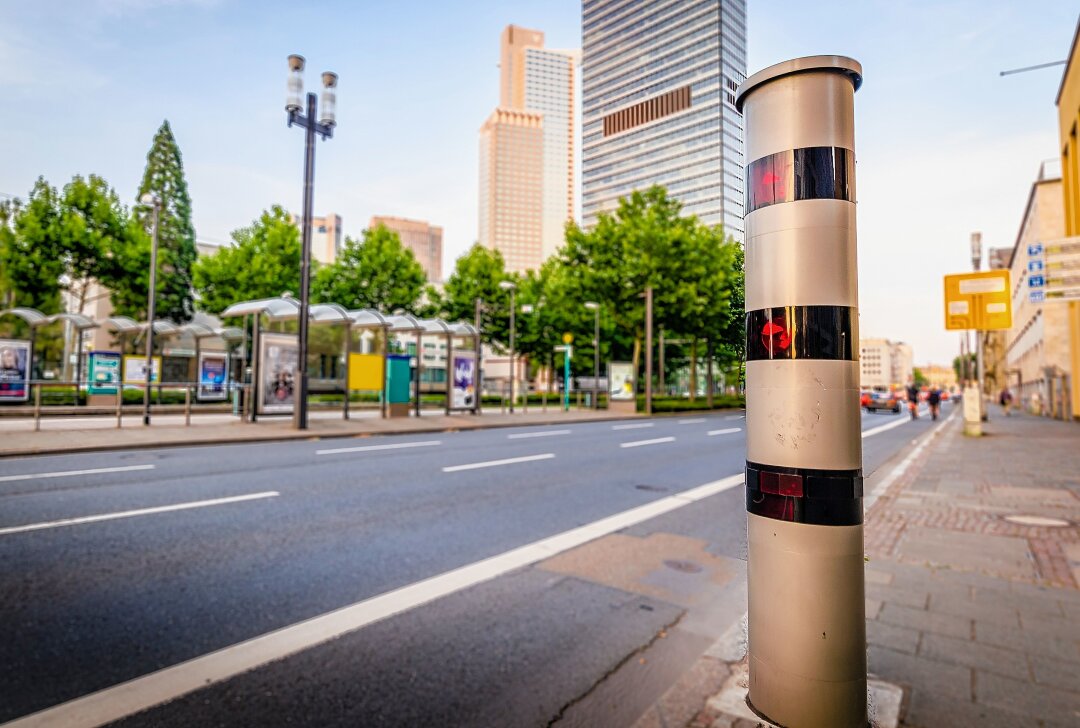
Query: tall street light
point(510, 286)
point(154, 202)
point(595, 308)
point(976, 264)
point(323, 126)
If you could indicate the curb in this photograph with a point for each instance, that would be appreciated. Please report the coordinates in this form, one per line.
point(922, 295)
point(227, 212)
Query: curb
point(310, 436)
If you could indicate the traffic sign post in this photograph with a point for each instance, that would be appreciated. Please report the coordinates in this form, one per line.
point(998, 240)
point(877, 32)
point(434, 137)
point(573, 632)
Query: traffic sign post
point(804, 484)
point(568, 351)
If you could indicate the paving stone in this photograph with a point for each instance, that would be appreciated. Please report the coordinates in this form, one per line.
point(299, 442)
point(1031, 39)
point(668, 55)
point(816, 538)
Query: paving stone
point(889, 635)
point(1032, 604)
point(876, 576)
point(928, 709)
point(1061, 648)
point(907, 597)
point(873, 607)
point(980, 609)
point(1056, 673)
point(975, 655)
point(1051, 627)
point(1023, 697)
point(925, 621)
point(920, 673)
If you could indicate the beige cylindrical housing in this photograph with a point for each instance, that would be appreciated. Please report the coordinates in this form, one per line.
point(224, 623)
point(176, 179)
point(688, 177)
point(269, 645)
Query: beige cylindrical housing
point(807, 632)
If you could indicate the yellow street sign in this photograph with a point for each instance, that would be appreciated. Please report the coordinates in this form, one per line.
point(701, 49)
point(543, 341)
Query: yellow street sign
point(981, 301)
point(568, 338)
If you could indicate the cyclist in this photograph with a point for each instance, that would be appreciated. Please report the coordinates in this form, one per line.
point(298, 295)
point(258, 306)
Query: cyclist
point(913, 399)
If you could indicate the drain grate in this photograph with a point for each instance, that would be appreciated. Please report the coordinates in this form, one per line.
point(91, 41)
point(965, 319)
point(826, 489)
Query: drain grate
point(686, 567)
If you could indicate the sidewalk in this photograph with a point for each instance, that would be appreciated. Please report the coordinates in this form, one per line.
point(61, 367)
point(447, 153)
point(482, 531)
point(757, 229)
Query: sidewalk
point(225, 429)
point(972, 587)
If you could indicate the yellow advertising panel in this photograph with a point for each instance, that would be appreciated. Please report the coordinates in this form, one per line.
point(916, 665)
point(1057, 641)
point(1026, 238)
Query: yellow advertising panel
point(366, 372)
point(981, 301)
point(135, 369)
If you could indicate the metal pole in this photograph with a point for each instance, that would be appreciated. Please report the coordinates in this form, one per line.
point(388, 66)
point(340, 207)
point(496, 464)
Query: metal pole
point(78, 365)
point(663, 385)
point(386, 374)
point(476, 342)
point(449, 371)
point(255, 344)
point(709, 384)
point(119, 405)
point(150, 306)
point(419, 337)
point(345, 380)
point(596, 360)
point(37, 407)
point(648, 350)
point(566, 377)
point(984, 413)
point(300, 416)
point(513, 368)
point(187, 406)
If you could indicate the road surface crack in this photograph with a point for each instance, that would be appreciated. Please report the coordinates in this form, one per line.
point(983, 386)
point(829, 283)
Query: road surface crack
point(660, 634)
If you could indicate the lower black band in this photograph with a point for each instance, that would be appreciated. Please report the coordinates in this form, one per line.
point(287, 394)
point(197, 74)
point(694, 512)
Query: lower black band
point(805, 495)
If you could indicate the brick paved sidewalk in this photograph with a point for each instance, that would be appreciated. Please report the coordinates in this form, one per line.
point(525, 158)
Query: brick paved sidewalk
point(972, 586)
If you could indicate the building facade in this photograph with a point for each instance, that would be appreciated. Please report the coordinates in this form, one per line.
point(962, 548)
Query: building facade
point(884, 363)
point(326, 239)
point(419, 236)
point(659, 81)
point(1036, 352)
point(1068, 106)
point(535, 118)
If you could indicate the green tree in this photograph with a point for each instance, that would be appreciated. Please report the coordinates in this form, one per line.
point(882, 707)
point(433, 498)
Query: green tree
point(31, 256)
point(164, 177)
point(919, 377)
point(264, 262)
point(376, 271)
point(477, 274)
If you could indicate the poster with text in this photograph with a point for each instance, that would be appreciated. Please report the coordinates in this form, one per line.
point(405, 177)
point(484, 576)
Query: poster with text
point(213, 371)
point(279, 358)
point(621, 380)
point(14, 370)
point(135, 369)
point(463, 392)
point(104, 372)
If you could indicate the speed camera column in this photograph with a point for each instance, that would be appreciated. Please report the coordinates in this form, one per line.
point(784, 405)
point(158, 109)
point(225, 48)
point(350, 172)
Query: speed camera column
point(807, 630)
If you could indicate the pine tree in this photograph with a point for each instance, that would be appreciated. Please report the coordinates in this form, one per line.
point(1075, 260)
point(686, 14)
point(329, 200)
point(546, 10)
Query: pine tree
point(164, 177)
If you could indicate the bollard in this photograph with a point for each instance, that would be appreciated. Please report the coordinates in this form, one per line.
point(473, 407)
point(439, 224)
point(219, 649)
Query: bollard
point(37, 408)
point(187, 406)
point(806, 623)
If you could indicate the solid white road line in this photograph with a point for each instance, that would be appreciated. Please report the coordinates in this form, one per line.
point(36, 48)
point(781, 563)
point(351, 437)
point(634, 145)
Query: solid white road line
point(884, 428)
point(726, 431)
point(735, 417)
point(692, 422)
point(640, 443)
point(545, 433)
point(69, 473)
point(637, 426)
point(119, 701)
point(494, 463)
point(140, 512)
point(369, 448)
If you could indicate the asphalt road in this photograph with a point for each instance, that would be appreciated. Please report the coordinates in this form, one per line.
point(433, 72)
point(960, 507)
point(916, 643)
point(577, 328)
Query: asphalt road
point(183, 552)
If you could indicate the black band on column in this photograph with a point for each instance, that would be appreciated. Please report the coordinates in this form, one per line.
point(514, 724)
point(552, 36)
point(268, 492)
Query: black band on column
point(804, 495)
point(810, 173)
point(802, 332)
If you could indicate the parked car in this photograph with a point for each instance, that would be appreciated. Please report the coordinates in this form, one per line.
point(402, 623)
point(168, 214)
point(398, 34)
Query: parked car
point(864, 398)
point(883, 399)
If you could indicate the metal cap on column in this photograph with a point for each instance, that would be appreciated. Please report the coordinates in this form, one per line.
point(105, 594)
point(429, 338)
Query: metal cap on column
point(807, 631)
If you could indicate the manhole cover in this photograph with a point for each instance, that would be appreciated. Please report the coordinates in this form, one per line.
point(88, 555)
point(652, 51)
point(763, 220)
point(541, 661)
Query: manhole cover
point(1037, 521)
point(652, 488)
point(686, 567)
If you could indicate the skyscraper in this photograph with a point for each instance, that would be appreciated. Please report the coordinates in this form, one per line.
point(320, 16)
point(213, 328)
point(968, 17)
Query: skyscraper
point(524, 207)
point(422, 238)
point(659, 81)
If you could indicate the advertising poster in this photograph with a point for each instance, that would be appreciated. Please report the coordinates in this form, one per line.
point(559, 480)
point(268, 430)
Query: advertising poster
point(14, 370)
point(135, 369)
point(213, 376)
point(463, 391)
point(104, 372)
point(366, 372)
point(621, 380)
point(279, 357)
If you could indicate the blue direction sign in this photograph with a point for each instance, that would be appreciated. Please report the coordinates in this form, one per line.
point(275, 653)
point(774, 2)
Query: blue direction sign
point(1035, 249)
point(1037, 296)
point(1035, 266)
point(1036, 281)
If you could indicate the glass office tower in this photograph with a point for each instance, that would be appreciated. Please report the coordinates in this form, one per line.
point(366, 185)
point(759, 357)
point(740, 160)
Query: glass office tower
point(658, 81)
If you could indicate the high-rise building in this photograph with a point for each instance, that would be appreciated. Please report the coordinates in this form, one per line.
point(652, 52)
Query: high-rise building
point(422, 238)
point(534, 121)
point(884, 363)
point(659, 81)
point(326, 240)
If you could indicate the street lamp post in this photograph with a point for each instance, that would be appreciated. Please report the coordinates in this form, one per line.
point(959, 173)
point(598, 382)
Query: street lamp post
point(510, 286)
point(976, 264)
point(595, 308)
point(154, 202)
point(323, 126)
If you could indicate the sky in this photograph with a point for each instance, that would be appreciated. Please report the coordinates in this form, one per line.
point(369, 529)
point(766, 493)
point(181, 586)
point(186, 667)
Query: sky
point(945, 146)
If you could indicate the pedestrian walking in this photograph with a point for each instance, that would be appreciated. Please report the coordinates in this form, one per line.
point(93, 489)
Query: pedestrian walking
point(1005, 400)
point(933, 398)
